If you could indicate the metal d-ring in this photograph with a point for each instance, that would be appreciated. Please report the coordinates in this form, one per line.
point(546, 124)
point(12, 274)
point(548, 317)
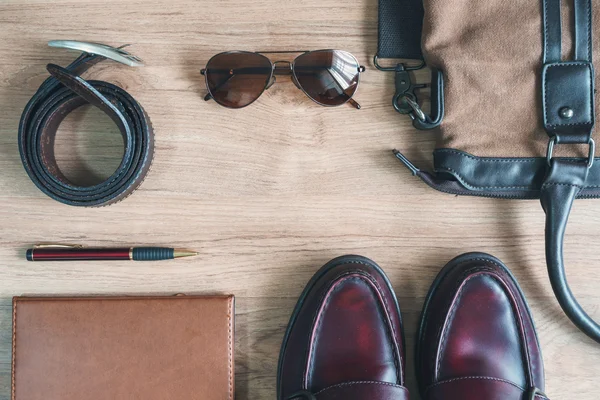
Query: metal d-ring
point(416, 109)
point(406, 67)
point(554, 141)
point(400, 102)
point(405, 103)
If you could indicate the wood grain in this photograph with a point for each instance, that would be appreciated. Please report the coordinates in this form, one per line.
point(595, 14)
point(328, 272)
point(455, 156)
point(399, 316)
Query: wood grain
point(268, 193)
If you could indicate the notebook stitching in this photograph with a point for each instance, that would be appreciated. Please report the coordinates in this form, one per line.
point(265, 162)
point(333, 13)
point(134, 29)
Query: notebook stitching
point(230, 351)
point(14, 346)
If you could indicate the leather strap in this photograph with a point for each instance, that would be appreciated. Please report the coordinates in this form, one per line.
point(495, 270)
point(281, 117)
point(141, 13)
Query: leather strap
point(552, 34)
point(583, 31)
point(361, 390)
point(553, 30)
point(480, 388)
point(59, 95)
point(569, 116)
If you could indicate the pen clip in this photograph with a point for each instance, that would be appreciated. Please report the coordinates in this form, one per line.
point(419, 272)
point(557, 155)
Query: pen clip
point(60, 246)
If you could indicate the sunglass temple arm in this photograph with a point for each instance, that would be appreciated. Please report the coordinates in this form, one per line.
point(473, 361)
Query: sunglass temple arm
point(354, 103)
point(208, 95)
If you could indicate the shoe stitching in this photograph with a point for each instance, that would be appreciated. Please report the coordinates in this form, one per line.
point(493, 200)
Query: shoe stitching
point(361, 383)
point(524, 334)
point(487, 378)
point(324, 304)
point(397, 354)
point(461, 277)
point(447, 323)
point(520, 322)
point(459, 282)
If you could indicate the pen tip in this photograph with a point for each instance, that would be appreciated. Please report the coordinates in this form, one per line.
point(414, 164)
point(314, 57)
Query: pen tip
point(184, 253)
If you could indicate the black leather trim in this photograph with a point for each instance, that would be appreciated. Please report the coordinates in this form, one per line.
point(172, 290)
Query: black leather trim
point(583, 31)
point(552, 30)
point(488, 173)
point(551, 10)
point(457, 172)
point(568, 85)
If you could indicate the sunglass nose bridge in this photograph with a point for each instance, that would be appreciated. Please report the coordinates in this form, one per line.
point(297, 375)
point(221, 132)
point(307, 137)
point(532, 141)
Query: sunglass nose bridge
point(283, 70)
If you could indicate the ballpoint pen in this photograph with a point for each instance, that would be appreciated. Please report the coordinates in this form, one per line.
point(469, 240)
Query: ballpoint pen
point(62, 252)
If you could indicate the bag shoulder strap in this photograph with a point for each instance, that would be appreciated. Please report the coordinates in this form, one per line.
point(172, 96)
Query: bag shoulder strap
point(399, 29)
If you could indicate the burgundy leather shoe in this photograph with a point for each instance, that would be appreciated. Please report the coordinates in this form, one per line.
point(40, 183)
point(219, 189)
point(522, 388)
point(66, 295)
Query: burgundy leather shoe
point(344, 340)
point(477, 339)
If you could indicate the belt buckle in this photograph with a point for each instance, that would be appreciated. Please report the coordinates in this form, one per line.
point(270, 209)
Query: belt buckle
point(114, 53)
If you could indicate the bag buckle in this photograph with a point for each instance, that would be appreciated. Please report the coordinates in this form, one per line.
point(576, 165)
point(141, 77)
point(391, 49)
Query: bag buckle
point(554, 141)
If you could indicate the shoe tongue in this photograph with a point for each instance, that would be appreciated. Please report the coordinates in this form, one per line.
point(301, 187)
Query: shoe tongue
point(363, 390)
point(480, 388)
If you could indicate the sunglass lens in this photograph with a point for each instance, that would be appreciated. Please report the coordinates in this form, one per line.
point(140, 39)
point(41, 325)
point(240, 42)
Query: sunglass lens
point(329, 77)
point(236, 79)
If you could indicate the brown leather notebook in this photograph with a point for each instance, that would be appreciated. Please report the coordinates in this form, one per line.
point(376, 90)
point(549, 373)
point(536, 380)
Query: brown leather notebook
point(123, 348)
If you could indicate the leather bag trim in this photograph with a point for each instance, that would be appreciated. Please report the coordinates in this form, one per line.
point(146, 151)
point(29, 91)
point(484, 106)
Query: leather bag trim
point(499, 174)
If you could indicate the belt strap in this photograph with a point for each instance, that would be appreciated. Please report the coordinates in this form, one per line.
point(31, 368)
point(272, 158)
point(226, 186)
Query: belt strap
point(480, 388)
point(569, 116)
point(361, 390)
point(59, 95)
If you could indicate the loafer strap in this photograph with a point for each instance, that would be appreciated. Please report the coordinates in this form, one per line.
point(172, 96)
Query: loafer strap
point(481, 388)
point(360, 390)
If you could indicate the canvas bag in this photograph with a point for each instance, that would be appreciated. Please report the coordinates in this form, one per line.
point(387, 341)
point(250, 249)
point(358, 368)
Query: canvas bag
point(513, 99)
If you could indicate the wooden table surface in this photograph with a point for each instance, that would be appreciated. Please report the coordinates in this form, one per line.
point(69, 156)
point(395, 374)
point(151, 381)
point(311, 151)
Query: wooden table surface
point(266, 194)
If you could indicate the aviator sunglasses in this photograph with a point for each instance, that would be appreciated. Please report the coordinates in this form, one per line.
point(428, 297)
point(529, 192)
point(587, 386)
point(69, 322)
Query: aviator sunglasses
point(235, 79)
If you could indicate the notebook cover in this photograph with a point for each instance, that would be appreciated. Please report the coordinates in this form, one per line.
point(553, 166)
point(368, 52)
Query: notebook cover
point(118, 348)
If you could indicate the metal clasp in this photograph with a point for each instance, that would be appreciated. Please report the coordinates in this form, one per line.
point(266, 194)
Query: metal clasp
point(554, 141)
point(114, 53)
point(59, 246)
point(405, 99)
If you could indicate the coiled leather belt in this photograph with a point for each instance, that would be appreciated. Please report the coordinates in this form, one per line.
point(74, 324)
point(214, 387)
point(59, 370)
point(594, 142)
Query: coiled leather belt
point(59, 95)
